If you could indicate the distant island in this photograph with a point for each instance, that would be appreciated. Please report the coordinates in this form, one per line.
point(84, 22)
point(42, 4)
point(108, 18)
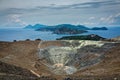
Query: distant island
point(83, 37)
point(36, 26)
point(64, 28)
point(99, 28)
point(69, 29)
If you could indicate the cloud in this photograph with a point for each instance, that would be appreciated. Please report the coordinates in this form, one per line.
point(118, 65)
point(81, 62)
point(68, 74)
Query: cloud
point(52, 12)
point(91, 18)
point(81, 5)
point(15, 19)
point(112, 19)
point(89, 23)
point(108, 20)
point(54, 6)
point(117, 15)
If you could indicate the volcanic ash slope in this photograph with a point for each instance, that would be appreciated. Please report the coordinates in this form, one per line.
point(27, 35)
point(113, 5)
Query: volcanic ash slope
point(70, 56)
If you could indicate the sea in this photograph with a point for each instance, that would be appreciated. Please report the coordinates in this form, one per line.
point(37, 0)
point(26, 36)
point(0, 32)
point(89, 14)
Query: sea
point(10, 34)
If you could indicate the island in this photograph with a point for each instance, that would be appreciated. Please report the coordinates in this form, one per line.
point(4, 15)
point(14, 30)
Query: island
point(83, 37)
point(99, 28)
point(63, 28)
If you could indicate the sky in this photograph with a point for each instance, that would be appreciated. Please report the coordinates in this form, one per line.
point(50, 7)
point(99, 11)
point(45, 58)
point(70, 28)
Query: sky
point(91, 13)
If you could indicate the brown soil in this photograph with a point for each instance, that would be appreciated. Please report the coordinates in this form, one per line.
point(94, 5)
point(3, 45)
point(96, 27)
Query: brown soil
point(23, 55)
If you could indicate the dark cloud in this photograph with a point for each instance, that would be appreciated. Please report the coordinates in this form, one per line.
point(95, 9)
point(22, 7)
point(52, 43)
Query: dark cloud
point(53, 13)
point(62, 7)
point(81, 5)
point(11, 11)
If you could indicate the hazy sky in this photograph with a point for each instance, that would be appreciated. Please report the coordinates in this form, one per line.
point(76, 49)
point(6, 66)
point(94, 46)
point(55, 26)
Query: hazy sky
point(18, 13)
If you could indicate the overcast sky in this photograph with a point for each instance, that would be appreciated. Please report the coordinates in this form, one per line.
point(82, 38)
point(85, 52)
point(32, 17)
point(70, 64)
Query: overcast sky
point(18, 13)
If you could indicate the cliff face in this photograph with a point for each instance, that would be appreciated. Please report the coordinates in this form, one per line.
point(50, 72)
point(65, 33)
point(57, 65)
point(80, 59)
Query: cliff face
point(71, 56)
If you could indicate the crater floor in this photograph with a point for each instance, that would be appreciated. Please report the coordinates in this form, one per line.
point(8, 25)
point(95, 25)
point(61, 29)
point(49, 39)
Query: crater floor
point(67, 57)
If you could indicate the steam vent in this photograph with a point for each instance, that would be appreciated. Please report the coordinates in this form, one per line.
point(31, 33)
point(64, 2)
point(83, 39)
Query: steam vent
point(69, 56)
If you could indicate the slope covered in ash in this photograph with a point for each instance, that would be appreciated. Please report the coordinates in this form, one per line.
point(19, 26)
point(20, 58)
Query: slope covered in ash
point(10, 72)
point(90, 60)
point(68, 57)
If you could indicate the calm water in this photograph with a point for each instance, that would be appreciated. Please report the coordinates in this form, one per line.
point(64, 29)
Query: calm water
point(10, 34)
point(110, 33)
